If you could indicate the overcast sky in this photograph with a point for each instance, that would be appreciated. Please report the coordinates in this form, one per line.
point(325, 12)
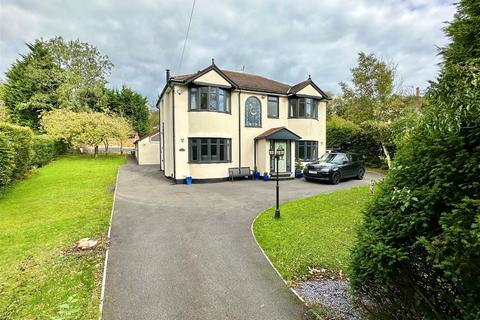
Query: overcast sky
point(283, 40)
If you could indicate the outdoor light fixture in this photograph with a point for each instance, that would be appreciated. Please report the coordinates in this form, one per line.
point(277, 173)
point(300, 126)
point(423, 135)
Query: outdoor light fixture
point(278, 154)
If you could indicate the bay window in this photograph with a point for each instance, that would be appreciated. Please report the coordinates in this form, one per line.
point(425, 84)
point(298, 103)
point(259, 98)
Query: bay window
point(209, 99)
point(205, 150)
point(303, 108)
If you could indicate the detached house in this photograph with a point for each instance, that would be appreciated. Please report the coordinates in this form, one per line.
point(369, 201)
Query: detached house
point(216, 119)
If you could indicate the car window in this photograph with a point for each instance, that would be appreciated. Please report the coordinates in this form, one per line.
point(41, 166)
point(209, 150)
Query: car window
point(339, 158)
point(349, 157)
point(354, 157)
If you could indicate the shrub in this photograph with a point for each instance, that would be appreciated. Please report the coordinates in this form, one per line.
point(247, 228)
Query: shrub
point(418, 251)
point(21, 139)
point(346, 135)
point(7, 161)
point(46, 149)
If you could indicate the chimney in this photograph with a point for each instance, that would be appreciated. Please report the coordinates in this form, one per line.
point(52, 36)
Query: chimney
point(168, 75)
point(417, 92)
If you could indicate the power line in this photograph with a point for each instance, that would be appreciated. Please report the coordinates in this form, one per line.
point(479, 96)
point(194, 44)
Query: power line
point(186, 37)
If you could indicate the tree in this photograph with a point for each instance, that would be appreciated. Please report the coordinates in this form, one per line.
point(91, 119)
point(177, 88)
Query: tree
point(86, 128)
point(31, 85)
point(131, 105)
point(85, 72)
point(3, 111)
point(55, 74)
point(371, 99)
point(418, 251)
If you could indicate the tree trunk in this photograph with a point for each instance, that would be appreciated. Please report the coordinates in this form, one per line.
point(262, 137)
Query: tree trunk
point(96, 152)
point(106, 147)
point(387, 156)
point(121, 147)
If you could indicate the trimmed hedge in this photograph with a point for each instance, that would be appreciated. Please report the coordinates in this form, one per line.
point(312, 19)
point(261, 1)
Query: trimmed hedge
point(20, 150)
point(7, 160)
point(345, 135)
point(46, 149)
point(21, 141)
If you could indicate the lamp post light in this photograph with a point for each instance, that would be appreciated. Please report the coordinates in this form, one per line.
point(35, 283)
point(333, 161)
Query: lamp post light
point(278, 154)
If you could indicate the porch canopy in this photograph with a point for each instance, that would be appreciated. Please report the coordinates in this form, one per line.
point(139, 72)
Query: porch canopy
point(280, 133)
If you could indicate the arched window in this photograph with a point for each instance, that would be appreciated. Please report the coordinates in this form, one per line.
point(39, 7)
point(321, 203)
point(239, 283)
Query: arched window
point(253, 112)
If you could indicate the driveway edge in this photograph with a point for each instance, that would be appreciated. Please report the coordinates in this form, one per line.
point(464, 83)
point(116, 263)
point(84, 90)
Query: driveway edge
point(270, 262)
point(104, 276)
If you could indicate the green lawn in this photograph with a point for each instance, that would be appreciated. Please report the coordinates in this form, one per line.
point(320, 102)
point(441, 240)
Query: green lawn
point(312, 232)
point(41, 218)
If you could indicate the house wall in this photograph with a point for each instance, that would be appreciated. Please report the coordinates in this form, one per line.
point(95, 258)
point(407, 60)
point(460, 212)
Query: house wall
point(147, 152)
point(222, 125)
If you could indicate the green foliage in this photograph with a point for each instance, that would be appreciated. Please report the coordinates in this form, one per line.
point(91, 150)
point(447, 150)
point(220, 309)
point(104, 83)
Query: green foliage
point(345, 135)
point(131, 105)
point(55, 74)
point(31, 85)
point(418, 253)
point(7, 160)
point(21, 140)
point(46, 149)
point(86, 128)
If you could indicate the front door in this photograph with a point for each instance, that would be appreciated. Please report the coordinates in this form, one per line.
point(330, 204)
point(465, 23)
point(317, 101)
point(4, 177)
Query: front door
point(282, 163)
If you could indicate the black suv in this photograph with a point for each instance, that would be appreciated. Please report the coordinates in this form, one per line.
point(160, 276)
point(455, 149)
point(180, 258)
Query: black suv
point(334, 166)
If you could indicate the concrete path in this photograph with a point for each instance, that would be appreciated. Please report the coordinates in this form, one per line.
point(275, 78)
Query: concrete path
point(187, 252)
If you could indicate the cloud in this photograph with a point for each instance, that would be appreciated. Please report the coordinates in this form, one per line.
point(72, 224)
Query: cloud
point(283, 40)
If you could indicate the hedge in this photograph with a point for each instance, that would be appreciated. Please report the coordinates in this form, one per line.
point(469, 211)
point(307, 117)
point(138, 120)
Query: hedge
point(21, 139)
point(20, 149)
point(46, 149)
point(7, 160)
point(345, 135)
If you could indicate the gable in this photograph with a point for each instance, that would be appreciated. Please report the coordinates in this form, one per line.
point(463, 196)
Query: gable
point(212, 77)
point(309, 90)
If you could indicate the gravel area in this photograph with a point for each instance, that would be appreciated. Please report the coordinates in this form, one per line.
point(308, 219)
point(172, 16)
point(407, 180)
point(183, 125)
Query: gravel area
point(332, 293)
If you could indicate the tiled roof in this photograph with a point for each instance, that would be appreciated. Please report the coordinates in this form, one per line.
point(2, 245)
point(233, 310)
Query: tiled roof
point(246, 81)
point(269, 132)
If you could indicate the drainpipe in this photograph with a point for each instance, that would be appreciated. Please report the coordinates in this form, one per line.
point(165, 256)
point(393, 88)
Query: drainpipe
point(239, 131)
point(173, 128)
point(159, 139)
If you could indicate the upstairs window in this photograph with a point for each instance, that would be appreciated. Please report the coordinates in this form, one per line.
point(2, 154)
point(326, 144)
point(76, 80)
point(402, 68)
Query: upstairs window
point(253, 112)
point(303, 108)
point(209, 99)
point(272, 107)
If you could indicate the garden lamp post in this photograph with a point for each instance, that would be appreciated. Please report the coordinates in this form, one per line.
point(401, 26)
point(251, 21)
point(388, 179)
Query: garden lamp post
point(278, 154)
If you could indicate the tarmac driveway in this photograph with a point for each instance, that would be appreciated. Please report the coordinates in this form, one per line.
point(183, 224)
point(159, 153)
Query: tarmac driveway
point(187, 252)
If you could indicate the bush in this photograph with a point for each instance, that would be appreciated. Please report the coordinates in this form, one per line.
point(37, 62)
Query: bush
point(46, 149)
point(346, 135)
point(418, 251)
point(7, 160)
point(21, 139)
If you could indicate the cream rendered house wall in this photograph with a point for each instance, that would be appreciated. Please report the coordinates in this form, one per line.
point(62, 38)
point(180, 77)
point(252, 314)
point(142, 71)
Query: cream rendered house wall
point(212, 77)
point(148, 151)
point(223, 125)
point(309, 91)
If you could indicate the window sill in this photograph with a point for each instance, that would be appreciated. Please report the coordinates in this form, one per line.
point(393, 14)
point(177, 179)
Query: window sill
point(303, 118)
point(208, 162)
point(216, 111)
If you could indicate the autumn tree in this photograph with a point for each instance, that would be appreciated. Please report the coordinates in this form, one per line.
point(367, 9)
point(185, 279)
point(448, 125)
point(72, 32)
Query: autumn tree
point(86, 128)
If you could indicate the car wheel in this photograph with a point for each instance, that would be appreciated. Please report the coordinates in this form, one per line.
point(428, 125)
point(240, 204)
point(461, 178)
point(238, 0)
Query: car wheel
point(336, 178)
point(360, 174)
point(308, 179)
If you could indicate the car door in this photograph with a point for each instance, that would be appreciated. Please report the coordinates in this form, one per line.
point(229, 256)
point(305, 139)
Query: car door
point(349, 166)
point(343, 165)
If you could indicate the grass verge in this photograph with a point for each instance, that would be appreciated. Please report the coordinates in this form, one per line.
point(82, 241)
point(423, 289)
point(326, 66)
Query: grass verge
point(41, 218)
point(315, 232)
